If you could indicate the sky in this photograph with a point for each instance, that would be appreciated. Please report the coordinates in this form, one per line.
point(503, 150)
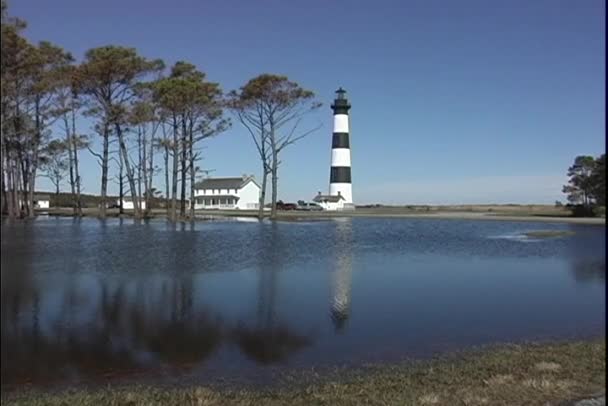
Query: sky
point(453, 102)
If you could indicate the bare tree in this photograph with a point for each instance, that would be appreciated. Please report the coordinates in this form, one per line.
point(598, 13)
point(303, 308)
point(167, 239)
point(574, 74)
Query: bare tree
point(54, 162)
point(272, 107)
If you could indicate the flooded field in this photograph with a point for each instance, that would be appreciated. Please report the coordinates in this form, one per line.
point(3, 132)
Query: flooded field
point(91, 301)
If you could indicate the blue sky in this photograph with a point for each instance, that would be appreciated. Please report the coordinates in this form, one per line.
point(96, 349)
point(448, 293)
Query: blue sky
point(453, 102)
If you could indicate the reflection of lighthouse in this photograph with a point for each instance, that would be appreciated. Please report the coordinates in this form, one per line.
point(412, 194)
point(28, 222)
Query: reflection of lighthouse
point(341, 289)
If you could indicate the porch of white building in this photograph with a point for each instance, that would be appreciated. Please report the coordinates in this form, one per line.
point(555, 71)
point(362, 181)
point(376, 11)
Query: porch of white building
point(216, 202)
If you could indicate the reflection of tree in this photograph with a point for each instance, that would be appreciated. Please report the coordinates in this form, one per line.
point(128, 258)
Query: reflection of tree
point(587, 255)
point(340, 306)
point(589, 270)
point(270, 340)
point(125, 324)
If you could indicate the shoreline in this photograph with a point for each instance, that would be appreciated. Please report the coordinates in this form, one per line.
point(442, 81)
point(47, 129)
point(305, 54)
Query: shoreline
point(504, 374)
point(371, 213)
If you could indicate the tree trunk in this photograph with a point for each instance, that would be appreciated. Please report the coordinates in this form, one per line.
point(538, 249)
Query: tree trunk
point(130, 175)
point(174, 180)
point(76, 170)
point(144, 171)
point(3, 199)
point(192, 172)
point(273, 210)
point(34, 164)
point(104, 170)
point(121, 192)
point(182, 205)
point(167, 196)
point(149, 195)
point(275, 165)
point(10, 202)
point(70, 145)
point(139, 164)
point(263, 191)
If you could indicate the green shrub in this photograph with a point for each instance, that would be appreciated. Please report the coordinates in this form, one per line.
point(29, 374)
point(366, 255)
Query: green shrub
point(599, 211)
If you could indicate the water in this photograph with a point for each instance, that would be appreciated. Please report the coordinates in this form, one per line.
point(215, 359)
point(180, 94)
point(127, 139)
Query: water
point(90, 301)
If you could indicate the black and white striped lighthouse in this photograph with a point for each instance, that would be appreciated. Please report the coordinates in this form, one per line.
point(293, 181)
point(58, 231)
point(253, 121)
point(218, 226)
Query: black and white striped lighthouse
point(339, 179)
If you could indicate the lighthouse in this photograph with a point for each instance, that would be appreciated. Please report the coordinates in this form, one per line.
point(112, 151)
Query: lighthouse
point(339, 178)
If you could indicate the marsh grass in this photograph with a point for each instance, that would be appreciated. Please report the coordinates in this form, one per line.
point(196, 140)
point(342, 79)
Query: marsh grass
point(531, 374)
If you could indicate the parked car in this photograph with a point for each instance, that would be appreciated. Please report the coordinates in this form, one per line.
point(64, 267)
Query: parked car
point(286, 206)
point(308, 206)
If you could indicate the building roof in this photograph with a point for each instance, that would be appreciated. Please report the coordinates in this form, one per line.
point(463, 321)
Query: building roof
point(328, 198)
point(225, 183)
point(200, 197)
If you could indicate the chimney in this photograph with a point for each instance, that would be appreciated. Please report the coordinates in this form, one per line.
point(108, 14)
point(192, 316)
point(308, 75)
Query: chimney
point(318, 193)
point(339, 193)
point(244, 176)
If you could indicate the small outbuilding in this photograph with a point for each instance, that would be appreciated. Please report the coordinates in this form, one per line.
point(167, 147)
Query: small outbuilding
point(42, 201)
point(127, 203)
point(330, 202)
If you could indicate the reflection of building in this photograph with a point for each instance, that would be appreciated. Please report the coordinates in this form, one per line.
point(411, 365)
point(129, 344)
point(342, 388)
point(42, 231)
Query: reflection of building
point(342, 275)
point(227, 193)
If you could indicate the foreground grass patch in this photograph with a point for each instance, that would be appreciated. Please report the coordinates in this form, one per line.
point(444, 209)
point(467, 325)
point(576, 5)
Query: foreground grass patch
point(534, 374)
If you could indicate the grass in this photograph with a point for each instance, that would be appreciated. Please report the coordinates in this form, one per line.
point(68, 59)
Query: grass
point(548, 233)
point(531, 374)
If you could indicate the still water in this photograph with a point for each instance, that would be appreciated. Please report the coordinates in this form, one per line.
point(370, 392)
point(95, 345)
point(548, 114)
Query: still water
point(99, 301)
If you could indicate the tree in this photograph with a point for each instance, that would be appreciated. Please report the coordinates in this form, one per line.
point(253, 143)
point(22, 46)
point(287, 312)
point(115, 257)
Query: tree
point(580, 186)
point(29, 82)
point(193, 107)
point(599, 180)
point(272, 107)
point(109, 76)
point(54, 162)
point(67, 105)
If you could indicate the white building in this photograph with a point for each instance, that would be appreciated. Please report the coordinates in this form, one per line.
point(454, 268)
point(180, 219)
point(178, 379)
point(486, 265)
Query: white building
point(227, 193)
point(42, 201)
point(329, 202)
point(127, 203)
